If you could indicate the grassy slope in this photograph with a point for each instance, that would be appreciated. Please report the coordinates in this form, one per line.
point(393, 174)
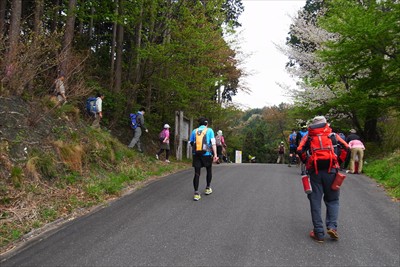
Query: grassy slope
point(386, 171)
point(67, 173)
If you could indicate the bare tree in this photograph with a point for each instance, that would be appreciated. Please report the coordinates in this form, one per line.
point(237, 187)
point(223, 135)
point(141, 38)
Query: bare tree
point(37, 23)
point(113, 42)
point(69, 34)
point(56, 10)
point(15, 26)
point(3, 6)
point(118, 62)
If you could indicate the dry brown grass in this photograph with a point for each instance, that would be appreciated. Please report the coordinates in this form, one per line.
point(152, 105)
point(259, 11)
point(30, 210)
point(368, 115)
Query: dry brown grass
point(31, 170)
point(71, 155)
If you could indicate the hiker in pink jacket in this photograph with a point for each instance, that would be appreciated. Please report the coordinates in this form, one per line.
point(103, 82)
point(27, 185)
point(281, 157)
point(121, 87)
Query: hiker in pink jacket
point(357, 150)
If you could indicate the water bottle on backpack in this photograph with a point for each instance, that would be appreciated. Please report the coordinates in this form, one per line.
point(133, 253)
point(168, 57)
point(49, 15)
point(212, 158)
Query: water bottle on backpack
point(306, 184)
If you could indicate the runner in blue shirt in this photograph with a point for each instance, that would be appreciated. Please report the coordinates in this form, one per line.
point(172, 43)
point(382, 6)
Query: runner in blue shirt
point(204, 147)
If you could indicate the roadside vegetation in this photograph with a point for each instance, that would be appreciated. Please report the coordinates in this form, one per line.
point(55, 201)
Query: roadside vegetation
point(77, 169)
point(386, 171)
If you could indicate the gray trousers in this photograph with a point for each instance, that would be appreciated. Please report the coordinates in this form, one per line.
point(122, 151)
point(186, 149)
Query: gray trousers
point(96, 122)
point(136, 139)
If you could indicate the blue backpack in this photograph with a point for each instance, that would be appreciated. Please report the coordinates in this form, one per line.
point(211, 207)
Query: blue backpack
point(292, 140)
point(134, 122)
point(91, 105)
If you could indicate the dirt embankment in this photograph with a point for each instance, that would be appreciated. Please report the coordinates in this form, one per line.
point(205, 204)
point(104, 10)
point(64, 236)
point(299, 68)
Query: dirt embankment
point(28, 134)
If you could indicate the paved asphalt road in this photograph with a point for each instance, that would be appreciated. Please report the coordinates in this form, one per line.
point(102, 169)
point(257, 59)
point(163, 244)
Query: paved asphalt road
point(258, 215)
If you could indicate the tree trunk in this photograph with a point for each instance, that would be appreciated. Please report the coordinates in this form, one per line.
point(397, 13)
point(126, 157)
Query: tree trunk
point(113, 41)
point(68, 35)
point(371, 130)
point(3, 6)
point(56, 10)
point(15, 27)
point(138, 44)
point(91, 23)
point(37, 23)
point(118, 62)
point(148, 98)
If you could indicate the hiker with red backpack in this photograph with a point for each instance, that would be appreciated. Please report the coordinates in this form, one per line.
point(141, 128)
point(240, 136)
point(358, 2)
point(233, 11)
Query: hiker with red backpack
point(319, 150)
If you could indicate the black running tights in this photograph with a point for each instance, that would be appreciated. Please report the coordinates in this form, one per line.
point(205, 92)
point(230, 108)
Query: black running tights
point(197, 177)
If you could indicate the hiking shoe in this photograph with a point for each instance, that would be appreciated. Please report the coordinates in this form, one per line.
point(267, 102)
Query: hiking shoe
point(316, 238)
point(208, 191)
point(167, 161)
point(333, 234)
point(157, 156)
point(196, 197)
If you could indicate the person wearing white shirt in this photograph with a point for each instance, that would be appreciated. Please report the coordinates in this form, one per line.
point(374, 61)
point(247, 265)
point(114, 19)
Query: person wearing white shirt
point(99, 111)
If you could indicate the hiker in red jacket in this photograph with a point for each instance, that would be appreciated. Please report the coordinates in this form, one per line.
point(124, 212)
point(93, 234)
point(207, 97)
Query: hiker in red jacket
point(318, 150)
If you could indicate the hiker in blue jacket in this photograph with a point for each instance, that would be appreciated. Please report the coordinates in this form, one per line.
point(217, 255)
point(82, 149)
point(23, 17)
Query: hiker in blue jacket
point(137, 133)
point(292, 147)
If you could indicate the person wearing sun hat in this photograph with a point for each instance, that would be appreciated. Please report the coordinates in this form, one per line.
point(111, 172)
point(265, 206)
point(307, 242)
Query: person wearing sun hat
point(322, 172)
point(352, 136)
point(164, 139)
point(221, 145)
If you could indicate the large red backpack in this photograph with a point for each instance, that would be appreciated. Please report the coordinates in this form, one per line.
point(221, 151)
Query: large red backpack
point(321, 148)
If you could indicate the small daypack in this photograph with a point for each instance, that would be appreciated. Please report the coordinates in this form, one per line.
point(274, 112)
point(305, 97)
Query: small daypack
point(218, 141)
point(200, 146)
point(91, 105)
point(134, 121)
point(162, 135)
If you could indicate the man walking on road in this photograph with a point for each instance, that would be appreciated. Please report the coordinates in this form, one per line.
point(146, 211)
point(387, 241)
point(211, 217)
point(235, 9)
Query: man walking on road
point(204, 147)
point(322, 170)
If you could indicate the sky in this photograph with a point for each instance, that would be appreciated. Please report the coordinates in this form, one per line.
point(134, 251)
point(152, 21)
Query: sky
point(264, 24)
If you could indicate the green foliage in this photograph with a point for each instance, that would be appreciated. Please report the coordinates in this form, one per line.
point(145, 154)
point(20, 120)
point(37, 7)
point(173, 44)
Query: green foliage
point(71, 178)
point(387, 172)
point(355, 82)
point(16, 234)
point(44, 163)
point(48, 214)
point(17, 176)
point(363, 55)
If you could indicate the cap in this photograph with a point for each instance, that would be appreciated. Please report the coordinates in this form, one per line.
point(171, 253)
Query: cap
point(353, 131)
point(318, 120)
point(203, 121)
point(219, 132)
point(167, 125)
